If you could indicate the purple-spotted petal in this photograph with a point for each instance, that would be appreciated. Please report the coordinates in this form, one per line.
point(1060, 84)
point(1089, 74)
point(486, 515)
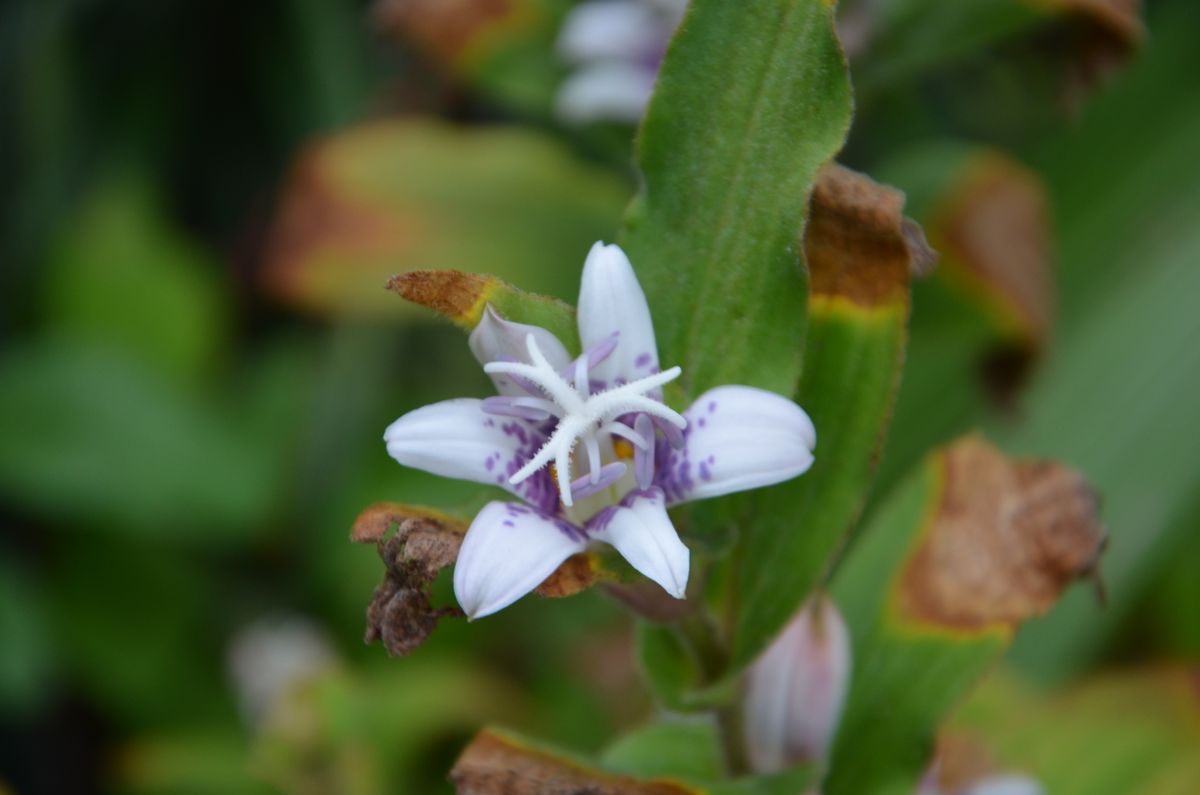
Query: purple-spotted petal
point(458, 439)
point(642, 532)
point(497, 339)
point(507, 552)
point(737, 438)
point(611, 300)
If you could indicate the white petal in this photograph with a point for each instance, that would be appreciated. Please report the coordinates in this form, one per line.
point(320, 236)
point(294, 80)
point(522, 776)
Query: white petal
point(642, 532)
point(1008, 784)
point(507, 552)
point(605, 91)
point(497, 339)
point(797, 688)
point(737, 438)
point(623, 30)
point(611, 300)
point(456, 439)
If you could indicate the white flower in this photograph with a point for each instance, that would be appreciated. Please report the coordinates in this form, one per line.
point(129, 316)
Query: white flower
point(1005, 784)
point(797, 688)
point(597, 414)
point(270, 657)
point(994, 784)
point(616, 47)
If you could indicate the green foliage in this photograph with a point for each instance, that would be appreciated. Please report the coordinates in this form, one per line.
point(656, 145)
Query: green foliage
point(851, 373)
point(1137, 732)
point(119, 245)
point(905, 678)
point(729, 150)
point(418, 194)
point(177, 457)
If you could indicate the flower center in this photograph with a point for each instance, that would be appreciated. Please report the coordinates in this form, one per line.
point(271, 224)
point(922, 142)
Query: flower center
point(582, 416)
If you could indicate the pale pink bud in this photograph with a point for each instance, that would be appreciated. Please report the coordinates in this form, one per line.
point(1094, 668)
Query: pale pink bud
point(797, 688)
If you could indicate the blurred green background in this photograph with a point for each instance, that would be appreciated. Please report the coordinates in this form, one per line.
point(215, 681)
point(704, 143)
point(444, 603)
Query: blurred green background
point(202, 201)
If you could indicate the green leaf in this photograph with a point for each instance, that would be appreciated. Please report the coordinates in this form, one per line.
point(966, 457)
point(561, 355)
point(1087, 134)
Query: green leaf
point(121, 276)
point(203, 761)
point(671, 670)
point(751, 100)
point(982, 320)
point(1125, 357)
point(951, 564)
point(26, 667)
point(680, 750)
point(92, 436)
point(859, 255)
point(910, 37)
point(414, 194)
point(1122, 732)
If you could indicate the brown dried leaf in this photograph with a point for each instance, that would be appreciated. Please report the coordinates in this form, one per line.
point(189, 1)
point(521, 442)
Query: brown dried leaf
point(458, 296)
point(372, 524)
point(576, 573)
point(316, 210)
point(994, 229)
point(400, 614)
point(497, 765)
point(451, 31)
point(1103, 34)
point(1005, 539)
point(994, 226)
point(858, 243)
point(426, 541)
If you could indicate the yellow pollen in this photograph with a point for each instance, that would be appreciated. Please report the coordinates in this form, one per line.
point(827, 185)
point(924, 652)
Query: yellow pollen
point(623, 448)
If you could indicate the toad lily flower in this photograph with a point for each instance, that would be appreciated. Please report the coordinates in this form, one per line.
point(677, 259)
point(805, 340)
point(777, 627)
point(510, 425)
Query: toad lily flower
point(797, 689)
point(615, 47)
point(556, 416)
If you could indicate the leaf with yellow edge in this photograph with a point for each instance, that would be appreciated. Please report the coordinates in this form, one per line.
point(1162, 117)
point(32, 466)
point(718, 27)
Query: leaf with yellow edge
point(398, 195)
point(860, 251)
point(952, 563)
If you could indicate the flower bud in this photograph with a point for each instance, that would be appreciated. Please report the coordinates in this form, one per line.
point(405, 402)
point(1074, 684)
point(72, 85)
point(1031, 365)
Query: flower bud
point(797, 689)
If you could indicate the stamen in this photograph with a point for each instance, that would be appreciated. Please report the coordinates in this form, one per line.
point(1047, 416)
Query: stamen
point(673, 435)
point(581, 377)
point(643, 457)
point(595, 355)
point(608, 475)
point(618, 428)
point(526, 408)
point(593, 450)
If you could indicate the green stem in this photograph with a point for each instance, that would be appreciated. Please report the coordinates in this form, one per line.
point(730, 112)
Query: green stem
point(698, 633)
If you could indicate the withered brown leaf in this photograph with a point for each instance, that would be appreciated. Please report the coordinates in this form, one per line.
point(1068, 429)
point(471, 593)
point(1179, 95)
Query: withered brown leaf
point(496, 765)
point(1005, 538)
point(401, 615)
point(858, 243)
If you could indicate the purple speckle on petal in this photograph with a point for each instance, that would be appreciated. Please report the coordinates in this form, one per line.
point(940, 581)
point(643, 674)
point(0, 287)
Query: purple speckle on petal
point(509, 523)
point(642, 360)
point(490, 463)
point(705, 474)
point(701, 422)
point(712, 406)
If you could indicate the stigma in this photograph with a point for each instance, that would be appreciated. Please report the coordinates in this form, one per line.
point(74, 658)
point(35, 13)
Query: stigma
point(583, 416)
